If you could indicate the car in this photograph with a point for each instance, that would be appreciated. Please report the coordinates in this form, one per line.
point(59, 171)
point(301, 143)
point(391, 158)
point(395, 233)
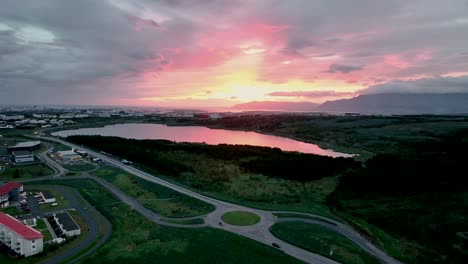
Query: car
point(275, 245)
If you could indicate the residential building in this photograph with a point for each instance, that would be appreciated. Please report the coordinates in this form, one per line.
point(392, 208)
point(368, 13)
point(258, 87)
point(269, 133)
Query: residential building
point(22, 239)
point(64, 225)
point(10, 191)
point(47, 197)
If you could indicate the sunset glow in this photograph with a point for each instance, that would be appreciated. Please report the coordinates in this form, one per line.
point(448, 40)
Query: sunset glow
point(220, 53)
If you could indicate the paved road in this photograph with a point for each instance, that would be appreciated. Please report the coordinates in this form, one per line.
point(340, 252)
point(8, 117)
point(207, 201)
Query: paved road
point(92, 225)
point(58, 169)
point(259, 232)
point(344, 230)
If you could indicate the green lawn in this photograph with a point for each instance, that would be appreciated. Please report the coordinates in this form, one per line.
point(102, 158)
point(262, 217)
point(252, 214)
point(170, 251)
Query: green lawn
point(240, 218)
point(153, 196)
point(40, 224)
point(10, 210)
point(151, 243)
point(322, 241)
point(26, 172)
point(259, 191)
point(47, 235)
point(293, 215)
point(80, 167)
point(42, 227)
point(59, 199)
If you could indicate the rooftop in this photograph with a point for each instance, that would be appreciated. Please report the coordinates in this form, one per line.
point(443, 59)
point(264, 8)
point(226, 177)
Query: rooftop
point(47, 195)
point(67, 153)
point(7, 187)
point(21, 153)
point(27, 144)
point(16, 226)
point(67, 221)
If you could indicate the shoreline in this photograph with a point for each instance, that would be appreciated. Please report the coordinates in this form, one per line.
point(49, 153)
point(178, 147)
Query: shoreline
point(340, 151)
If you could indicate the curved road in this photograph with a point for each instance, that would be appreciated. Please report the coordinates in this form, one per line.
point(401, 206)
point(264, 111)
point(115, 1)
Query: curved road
point(71, 195)
point(259, 232)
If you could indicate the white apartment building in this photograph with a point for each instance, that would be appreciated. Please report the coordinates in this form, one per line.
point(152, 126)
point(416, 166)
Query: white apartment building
point(22, 239)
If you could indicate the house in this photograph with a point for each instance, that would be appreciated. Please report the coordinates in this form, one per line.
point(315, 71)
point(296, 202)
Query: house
point(22, 239)
point(22, 156)
point(68, 155)
point(30, 146)
point(47, 197)
point(64, 225)
point(10, 191)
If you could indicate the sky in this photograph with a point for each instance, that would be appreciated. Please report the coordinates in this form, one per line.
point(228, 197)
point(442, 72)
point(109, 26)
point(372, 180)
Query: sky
point(218, 53)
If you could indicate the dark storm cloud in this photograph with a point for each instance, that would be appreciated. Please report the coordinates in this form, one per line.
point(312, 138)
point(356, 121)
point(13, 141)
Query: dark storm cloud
point(335, 68)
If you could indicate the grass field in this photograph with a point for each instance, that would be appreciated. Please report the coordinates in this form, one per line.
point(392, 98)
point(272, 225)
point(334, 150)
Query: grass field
point(260, 191)
point(10, 210)
point(151, 243)
point(293, 215)
point(59, 199)
point(26, 172)
point(42, 227)
point(322, 241)
point(80, 167)
point(153, 196)
point(240, 218)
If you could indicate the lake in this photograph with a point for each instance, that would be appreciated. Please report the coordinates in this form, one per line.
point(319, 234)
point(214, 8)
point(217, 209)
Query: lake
point(197, 134)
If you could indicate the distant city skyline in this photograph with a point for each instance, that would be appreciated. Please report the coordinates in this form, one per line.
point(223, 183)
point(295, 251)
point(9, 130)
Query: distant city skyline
point(219, 53)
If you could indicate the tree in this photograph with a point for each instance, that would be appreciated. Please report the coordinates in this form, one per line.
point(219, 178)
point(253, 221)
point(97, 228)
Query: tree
point(16, 173)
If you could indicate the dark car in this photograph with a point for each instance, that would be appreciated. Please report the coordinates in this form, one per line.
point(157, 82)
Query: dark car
point(275, 245)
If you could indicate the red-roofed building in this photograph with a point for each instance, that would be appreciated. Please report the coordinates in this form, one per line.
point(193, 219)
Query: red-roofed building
point(9, 191)
point(22, 239)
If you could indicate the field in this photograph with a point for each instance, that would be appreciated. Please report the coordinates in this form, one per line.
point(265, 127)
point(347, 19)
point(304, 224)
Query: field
point(80, 167)
point(256, 177)
point(26, 172)
point(322, 241)
point(406, 194)
point(151, 243)
point(240, 218)
point(155, 197)
point(293, 215)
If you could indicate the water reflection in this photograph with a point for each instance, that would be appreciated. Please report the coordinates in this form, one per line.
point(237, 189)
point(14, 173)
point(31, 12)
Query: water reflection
point(201, 134)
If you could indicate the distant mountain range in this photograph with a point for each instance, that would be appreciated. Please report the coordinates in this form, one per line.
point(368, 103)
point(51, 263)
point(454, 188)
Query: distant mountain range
point(400, 104)
point(451, 103)
point(280, 106)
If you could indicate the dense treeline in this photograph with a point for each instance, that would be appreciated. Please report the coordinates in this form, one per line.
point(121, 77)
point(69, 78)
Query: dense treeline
point(419, 195)
point(259, 160)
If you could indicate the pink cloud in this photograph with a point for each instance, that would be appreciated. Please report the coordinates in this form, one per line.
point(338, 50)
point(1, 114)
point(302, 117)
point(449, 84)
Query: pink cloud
point(140, 23)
